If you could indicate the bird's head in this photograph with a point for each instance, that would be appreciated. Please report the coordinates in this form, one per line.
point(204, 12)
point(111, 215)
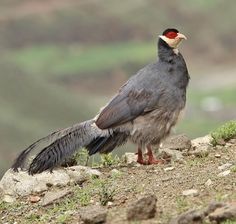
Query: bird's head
point(172, 37)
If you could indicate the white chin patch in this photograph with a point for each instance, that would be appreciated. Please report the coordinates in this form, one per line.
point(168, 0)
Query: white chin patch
point(171, 42)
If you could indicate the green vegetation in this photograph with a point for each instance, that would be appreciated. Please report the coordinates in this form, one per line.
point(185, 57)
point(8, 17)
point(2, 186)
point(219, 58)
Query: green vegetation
point(181, 204)
point(106, 193)
point(224, 133)
point(233, 169)
point(59, 61)
point(109, 160)
point(82, 157)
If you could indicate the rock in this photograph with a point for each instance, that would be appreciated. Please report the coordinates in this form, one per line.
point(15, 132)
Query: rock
point(143, 208)
point(174, 154)
point(224, 173)
point(225, 166)
point(130, 158)
point(51, 197)
point(189, 217)
point(169, 168)
point(200, 151)
point(190, 192)
point(17, 184)
point(205, 140)
point(208, 183)
point(34, 198)
point(8, 199)
point(177, 142)
point(109, 204)
point(228, 211)
point(212, 207)
point(93, 214)
point(232, 141)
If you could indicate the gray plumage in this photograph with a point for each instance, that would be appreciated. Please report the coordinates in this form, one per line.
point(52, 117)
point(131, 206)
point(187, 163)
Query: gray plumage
point(143, 111)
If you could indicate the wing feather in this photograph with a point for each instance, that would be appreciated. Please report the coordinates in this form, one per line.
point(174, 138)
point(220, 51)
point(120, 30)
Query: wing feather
point(123, 108)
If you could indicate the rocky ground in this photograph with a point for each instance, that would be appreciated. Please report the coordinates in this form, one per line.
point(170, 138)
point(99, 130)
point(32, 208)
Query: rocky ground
point(198, 185)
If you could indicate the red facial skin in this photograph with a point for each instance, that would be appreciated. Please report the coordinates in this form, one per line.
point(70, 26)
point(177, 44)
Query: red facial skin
point(171, 35)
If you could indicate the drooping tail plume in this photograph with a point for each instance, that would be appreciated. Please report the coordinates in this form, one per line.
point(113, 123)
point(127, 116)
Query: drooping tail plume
point(59, 146)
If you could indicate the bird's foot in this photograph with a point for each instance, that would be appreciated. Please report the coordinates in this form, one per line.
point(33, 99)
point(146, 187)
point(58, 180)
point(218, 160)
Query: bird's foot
point(155, 161)
point(140, 159)
point(142, 162)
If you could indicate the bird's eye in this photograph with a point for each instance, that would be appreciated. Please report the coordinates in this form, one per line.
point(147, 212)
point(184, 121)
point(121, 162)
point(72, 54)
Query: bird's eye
point(171, 35)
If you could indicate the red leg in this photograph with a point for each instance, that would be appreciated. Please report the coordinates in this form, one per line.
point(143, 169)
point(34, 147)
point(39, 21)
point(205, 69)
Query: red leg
point(151, 158)
point(140, 157)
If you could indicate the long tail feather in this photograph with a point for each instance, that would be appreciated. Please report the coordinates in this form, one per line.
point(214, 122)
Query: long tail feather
point(63, 145)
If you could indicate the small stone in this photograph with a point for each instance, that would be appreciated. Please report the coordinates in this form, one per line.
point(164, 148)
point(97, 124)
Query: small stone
point(212, 207)
point(225, 166)
point(9, 198)
point(191, 192)
point(189, 217)
point(166, 179)
point(205, 140)
point(228, 211)
point(169, 168)
point(232, 141)
point(200, 151)
point(217, 155)
point(93, 214)
point(224, 173)
point(208, 183)
point(175, 155)
point(109, 204)
point(51, 197)
point(177, 142)
point(142, 209)
point(34, 198)
point(130, 158)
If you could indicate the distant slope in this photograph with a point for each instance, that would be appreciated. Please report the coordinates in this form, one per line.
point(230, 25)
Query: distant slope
point(31, 108)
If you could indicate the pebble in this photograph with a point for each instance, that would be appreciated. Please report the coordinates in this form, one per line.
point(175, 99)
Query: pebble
point(9, 199)
point(34, 199)
point(225, 166)
point(190, 192)
point(109, 204)
point(224, 173)
point(51, 197)
point(169, 168)
point(217, 155)
point(208, 182)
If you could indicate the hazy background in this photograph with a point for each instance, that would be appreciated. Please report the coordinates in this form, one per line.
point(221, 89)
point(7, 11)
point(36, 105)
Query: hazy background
point(61, 60)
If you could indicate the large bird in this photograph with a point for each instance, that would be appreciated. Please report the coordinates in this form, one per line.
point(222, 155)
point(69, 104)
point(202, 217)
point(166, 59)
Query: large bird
point(144, 110)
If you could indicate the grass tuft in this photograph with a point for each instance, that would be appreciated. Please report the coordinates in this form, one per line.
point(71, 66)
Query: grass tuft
point(224, 133)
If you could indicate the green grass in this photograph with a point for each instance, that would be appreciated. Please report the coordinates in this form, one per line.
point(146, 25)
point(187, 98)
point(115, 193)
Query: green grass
point(59, 61)
point(225, 133)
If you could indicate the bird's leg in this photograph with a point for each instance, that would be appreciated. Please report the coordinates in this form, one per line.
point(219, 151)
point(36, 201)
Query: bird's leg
point(151, 158)
point(140, 157)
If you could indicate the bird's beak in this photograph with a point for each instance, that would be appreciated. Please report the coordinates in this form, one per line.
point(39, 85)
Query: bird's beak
point(181, 36)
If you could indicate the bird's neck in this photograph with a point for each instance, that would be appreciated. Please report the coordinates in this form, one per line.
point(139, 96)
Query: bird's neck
point(165, 52)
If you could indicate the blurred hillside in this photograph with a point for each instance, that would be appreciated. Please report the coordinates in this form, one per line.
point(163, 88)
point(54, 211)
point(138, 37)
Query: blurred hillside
point(61, 60)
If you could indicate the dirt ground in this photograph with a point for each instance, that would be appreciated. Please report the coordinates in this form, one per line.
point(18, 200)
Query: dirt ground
point(131, 182)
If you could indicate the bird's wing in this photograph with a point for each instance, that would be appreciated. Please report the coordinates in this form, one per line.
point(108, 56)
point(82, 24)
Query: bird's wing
point(125, 107)
point(139, 95)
